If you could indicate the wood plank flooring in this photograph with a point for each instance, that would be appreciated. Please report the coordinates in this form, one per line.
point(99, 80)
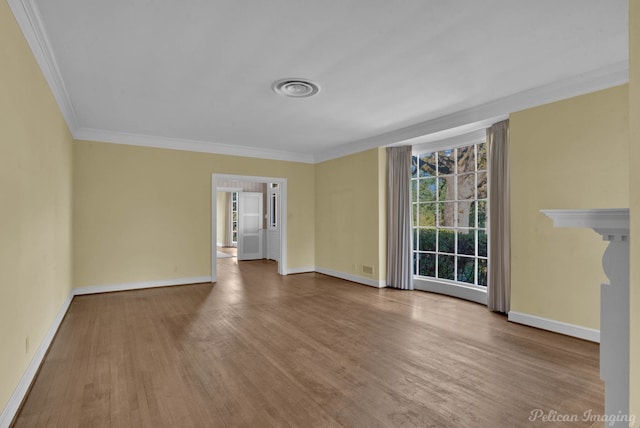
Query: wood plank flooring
point(260, 350)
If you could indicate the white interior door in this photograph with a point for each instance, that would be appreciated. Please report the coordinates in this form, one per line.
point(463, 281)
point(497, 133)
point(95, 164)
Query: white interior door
point(249, 226)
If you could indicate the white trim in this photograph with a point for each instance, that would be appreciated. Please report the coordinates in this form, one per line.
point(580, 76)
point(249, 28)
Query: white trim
point(353, 278)
point(458, 122)
point(282, 184)
point(473, 293)
point(468, 139)
point(131, 139)
point(573, 330)
point(13, 405)
point(295, 271)
point(29, 20)
point(94, 289)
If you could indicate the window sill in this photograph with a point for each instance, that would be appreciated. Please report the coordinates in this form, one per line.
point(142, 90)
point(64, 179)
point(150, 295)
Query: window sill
point(473, 293)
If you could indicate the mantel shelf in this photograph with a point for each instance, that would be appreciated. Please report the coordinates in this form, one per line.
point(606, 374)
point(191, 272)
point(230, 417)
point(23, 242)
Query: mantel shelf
point(597, 218)
point(611, 223)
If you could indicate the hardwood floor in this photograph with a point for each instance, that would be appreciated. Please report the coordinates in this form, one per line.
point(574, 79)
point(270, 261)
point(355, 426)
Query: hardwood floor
point(260, 350)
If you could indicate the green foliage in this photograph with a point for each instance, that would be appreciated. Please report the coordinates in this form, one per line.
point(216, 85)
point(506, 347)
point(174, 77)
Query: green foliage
point(467, 242)
point(482, 243)
point(446, 241)
point(466, 270)
point(482, 272)
point(446, 267)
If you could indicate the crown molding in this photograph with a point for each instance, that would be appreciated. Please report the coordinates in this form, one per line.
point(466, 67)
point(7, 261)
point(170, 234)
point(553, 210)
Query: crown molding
point(458, 123)
point(104, 136)
point(29, 20)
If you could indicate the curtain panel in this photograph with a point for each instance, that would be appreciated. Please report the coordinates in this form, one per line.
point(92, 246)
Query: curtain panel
point(399, 222)
point(499, 284)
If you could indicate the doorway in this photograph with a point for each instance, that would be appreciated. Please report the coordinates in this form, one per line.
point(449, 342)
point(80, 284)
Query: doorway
point(230, 183)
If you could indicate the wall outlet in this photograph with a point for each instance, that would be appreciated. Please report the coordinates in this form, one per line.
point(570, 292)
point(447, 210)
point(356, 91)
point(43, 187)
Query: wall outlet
point(367, 269)
point(26, 345)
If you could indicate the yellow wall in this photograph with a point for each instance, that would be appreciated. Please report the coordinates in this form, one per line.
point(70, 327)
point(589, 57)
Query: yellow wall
point(567, 154)
point(144, 214)
point(223, 214)
point(634, 113)
point(348, 214)
point(35, 216)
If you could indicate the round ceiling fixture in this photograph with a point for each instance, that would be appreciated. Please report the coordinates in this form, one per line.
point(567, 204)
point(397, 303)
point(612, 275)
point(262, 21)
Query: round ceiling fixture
point(296, 88)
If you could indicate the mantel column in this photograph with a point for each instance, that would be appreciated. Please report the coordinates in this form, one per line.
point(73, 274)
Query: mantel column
point(613, 226)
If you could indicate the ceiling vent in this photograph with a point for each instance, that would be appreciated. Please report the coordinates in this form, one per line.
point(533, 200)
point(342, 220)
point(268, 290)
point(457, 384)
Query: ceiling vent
point(296, 88)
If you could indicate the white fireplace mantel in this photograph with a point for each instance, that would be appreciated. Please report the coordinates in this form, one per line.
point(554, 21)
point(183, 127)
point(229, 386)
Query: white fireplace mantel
point(613, 226)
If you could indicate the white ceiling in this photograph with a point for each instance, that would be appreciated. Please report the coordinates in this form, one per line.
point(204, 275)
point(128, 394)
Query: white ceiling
point(198, 74)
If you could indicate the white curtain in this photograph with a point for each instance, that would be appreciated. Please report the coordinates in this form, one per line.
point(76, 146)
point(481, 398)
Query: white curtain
point(399, 234)
point(499, 284)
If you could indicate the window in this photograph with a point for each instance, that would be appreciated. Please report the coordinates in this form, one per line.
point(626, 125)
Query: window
point(234, 218)
point(273, 206)
point(449, 197)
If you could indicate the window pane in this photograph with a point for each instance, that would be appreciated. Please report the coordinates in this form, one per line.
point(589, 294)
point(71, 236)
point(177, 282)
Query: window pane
point(446, 267)
point(482, 185)
point(482, 213)
point(427, 265)
point(446, 240)
point(446, 189)
point(466, 187)
point(414, 190)
point(414, 166)
point(466, 270)
point(427, 165)
point(427, 240)
point(427, 189)
point(467, 242)
point(446, 162)
point(482, 243)
point(466, 214)
point(482, 272)
point(427, 214)
point(466, 159)
point(446, 214)
point(482, 156)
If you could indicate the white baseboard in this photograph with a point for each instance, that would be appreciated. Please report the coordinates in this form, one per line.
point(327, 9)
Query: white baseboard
point(294, 271)
point(578, 331)
point(10, 410)
point(94, 289)
point(353, 278)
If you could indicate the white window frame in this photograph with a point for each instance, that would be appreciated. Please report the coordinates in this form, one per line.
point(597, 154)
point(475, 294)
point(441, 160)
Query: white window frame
point(462, 290)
